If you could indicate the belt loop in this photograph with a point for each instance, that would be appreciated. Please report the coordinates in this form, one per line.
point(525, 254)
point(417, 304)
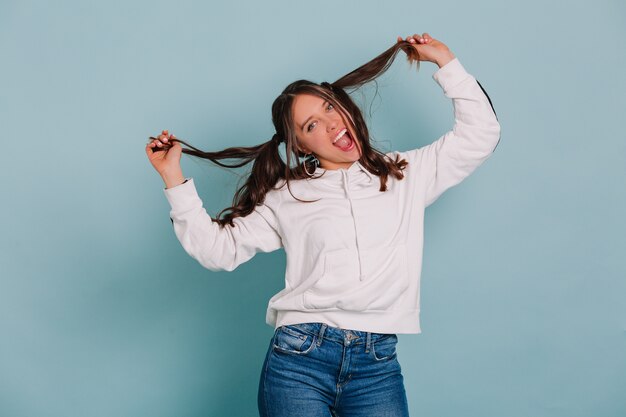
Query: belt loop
point(320, 336)
point(368, 343)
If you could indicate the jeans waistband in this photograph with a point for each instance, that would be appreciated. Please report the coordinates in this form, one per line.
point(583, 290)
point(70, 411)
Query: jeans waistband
point(345, 336)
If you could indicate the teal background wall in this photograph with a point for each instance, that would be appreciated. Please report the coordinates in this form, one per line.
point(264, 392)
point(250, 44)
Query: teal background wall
point(102, 313)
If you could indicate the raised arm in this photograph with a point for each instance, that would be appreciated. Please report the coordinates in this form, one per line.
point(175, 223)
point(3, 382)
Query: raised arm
point(216, 248)
point(473, 138)
point(476, 131)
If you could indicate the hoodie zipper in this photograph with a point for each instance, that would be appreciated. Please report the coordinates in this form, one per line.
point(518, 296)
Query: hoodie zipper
point(346, 188)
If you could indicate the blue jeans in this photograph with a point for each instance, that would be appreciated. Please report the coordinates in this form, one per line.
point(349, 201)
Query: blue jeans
point(315, 370)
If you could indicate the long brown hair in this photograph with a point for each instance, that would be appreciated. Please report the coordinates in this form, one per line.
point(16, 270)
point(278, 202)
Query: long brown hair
point(269, 168)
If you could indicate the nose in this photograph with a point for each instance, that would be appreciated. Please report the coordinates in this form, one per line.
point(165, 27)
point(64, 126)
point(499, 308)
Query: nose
point(332, 125)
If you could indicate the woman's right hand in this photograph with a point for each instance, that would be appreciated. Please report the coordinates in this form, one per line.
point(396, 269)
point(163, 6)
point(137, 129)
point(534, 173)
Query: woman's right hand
point(164, 155)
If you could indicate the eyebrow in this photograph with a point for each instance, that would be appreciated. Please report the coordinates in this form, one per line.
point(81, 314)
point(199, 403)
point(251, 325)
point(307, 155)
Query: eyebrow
point(305, 122)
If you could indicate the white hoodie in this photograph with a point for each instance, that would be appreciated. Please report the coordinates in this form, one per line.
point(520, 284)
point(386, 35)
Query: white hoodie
point(354, 257)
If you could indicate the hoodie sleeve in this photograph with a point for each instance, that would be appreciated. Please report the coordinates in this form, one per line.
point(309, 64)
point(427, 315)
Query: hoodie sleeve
point(214, 247)
point(473, 138)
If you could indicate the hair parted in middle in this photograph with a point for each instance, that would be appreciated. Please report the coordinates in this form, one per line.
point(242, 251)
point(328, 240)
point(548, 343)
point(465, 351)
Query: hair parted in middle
point(268, 167)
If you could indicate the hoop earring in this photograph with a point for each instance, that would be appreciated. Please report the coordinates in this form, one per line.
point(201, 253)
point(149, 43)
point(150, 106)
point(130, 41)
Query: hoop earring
point(315, 161)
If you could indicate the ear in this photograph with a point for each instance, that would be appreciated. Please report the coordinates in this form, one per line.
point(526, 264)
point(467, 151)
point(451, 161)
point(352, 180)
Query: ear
point(300, 148)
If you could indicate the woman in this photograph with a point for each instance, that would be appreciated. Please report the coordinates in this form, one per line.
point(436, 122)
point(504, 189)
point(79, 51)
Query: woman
point(350, 220)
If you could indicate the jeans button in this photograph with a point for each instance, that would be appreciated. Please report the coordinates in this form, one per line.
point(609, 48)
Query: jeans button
point(349, 337)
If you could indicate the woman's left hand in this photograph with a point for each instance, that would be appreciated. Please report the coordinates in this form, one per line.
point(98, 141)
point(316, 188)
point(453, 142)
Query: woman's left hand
point(430, 49)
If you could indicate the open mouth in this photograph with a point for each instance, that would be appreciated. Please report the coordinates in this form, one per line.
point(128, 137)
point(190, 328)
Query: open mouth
point(344, 141)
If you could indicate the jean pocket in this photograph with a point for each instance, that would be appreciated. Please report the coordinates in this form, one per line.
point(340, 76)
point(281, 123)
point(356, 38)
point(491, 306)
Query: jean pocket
point(385, 348)
point(290, 339)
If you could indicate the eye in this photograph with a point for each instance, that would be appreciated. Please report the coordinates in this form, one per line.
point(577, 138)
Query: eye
point(330, 107)
point(308, 128)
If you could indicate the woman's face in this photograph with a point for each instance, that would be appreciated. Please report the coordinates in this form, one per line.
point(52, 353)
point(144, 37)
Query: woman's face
point(317, 125)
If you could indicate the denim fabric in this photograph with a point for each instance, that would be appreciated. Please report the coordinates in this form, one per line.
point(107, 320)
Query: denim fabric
point(315, 370)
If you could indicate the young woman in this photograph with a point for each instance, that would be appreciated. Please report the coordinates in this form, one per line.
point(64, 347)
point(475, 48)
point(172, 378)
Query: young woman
point(350, 220)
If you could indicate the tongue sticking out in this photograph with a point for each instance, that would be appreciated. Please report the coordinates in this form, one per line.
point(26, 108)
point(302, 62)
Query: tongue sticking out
point(344, 143)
